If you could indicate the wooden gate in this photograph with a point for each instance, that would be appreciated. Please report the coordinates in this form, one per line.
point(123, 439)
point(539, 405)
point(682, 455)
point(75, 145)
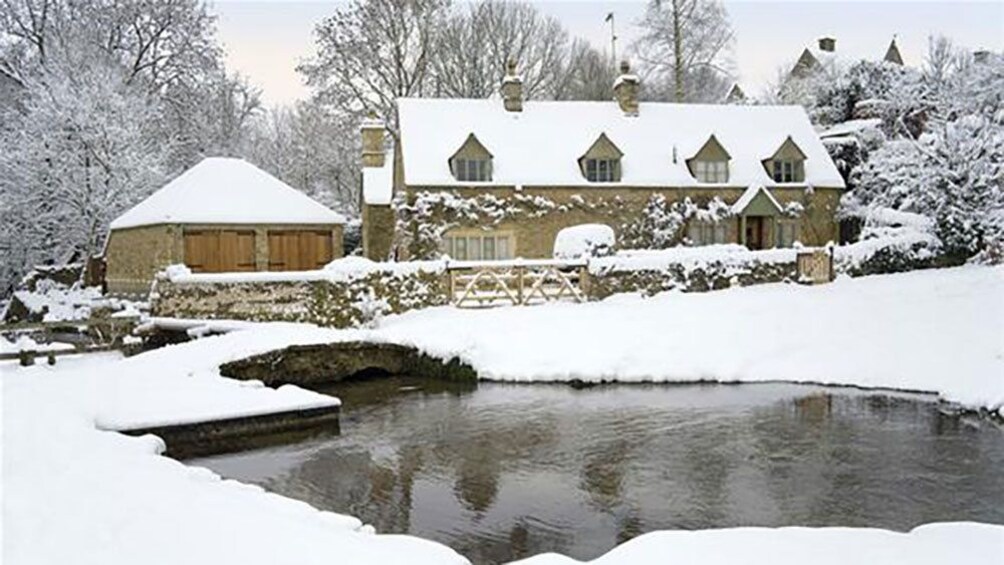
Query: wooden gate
point(299, 250)
point(219, 251)
point(478, 284)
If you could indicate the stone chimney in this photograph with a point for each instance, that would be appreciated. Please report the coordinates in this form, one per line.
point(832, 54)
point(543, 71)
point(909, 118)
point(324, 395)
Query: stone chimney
point(827, 44)
point(373, 131)
point(626, 90)
point(512, 88)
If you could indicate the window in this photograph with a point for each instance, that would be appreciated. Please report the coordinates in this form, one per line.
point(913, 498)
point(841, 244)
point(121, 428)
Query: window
point(707, 233)
point(602, 170)
point(489, 247)
point(787, 234)
point(471, 170)
point(711, 171)
point(787, 171)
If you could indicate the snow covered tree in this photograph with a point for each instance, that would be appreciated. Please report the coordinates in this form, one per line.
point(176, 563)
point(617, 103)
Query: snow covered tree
point(685, 45)
point(477, 40)
point(372, 52)
point(310, 149)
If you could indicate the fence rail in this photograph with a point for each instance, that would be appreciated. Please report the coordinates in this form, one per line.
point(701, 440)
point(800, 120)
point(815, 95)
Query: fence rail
point(106, 334)
point(482, 284)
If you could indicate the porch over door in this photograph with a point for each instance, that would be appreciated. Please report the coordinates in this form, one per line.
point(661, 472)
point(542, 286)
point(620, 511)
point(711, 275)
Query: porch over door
point(299, 250)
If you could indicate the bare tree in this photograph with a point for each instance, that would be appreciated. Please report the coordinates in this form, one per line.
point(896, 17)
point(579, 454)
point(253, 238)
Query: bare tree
point(686, 43)
point(476, 41)
point(589, 74)
point(372, 52)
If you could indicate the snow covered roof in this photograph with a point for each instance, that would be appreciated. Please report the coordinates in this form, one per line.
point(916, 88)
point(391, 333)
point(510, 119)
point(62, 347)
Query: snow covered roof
point(378, 184)
point(542, 144)
point(226, 191)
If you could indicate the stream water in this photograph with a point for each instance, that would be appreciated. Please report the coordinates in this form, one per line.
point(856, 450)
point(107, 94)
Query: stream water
point(501, 471)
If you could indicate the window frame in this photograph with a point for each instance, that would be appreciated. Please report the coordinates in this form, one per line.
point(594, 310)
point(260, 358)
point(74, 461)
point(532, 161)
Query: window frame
point(478, 246)
point(466, 169)
point(711, 171)
point(602, 169)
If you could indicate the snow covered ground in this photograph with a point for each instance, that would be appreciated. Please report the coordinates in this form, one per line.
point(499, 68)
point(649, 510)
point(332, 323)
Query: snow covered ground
point(939, 331)
point(75, 494)
point(930, 544)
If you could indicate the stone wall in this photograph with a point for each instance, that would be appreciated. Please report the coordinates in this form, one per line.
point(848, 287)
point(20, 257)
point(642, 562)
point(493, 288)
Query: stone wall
point(649, 276)
point(535, 215)
point(134, 255)
point(317, 297)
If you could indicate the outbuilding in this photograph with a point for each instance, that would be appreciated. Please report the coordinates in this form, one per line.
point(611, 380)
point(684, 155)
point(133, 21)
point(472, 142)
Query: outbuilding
point(222, 215)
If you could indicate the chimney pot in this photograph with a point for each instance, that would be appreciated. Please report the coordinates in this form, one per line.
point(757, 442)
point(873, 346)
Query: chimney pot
point(827, 44)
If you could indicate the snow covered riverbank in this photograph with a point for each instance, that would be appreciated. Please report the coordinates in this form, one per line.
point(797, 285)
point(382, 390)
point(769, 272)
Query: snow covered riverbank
point(75, 494)
point(938, 331)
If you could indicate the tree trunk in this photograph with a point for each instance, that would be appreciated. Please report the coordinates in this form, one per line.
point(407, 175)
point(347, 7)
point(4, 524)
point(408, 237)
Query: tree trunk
point(677, 52)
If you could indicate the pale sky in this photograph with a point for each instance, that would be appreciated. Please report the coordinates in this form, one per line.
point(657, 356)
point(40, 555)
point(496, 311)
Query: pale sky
point(264, 40)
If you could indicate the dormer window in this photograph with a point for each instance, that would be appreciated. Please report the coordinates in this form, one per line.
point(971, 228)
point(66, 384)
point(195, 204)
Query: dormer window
point(602, 170)
point(602, 162)
point(472, 162)
point(711, 171)
point(787, 164)
point(711, 163)
point(474, 170)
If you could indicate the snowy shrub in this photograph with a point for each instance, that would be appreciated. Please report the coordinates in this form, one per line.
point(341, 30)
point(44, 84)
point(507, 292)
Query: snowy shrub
point(661, 223)
point(584, 240)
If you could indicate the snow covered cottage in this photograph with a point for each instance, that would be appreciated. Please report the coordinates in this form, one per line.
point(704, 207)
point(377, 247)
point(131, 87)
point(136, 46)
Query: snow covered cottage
point(813, 59)
point(222, 215)
point(494, 179)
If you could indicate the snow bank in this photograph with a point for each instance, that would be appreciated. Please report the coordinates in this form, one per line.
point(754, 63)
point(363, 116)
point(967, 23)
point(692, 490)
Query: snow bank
point(75, 494)
point(933, 544)
point(936, 330)
point(584, 240)
point(689, 257)
point(345, 269)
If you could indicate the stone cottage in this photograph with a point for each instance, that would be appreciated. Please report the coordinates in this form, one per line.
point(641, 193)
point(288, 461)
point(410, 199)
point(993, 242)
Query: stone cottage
point(496, 179)
point(222, 215)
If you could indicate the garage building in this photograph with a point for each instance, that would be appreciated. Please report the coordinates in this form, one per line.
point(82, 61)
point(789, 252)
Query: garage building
point(222, 215)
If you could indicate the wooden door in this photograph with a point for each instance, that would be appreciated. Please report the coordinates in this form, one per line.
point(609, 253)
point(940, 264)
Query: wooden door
point(299, 250)
point(754, 232)
point(220, 251)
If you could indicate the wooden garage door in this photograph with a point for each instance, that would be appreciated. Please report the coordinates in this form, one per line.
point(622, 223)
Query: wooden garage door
point(298, 250)
point(219, 251)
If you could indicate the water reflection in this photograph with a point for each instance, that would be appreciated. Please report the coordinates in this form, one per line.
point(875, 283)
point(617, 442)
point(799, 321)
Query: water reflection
point(501, 472)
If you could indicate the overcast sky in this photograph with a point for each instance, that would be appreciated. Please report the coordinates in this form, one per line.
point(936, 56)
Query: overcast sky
point(265, 39)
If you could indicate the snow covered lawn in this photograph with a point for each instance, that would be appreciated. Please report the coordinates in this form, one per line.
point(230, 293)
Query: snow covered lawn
point(938, 330)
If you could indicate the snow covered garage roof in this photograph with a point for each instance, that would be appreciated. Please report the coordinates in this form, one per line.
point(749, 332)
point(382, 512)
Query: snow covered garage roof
point(220, 190)
point(542, 144)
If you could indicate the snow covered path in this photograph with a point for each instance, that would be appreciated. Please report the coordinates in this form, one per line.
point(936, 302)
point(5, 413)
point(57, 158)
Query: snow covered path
point(938, 331)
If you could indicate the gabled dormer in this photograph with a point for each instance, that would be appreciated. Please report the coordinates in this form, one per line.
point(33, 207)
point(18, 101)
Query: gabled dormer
point(787, 164)
point(472, 162)
point(711, 163)
point(602, 161)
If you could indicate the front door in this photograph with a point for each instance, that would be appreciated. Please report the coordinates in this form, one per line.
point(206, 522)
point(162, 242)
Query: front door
point(754, 232)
